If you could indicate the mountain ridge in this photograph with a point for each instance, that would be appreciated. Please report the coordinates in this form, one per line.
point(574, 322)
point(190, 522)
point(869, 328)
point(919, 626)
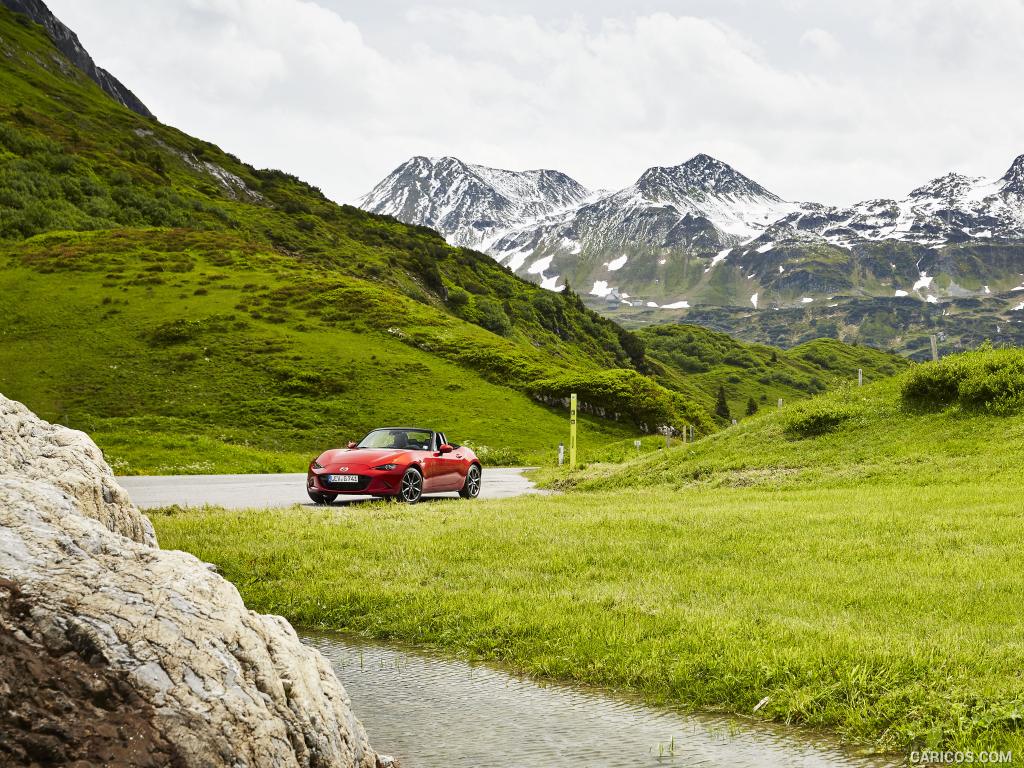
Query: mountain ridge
point(67, 42)
point(685, 239)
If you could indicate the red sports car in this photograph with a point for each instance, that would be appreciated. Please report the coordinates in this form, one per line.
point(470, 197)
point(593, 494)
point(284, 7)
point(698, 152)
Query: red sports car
point(401, 463)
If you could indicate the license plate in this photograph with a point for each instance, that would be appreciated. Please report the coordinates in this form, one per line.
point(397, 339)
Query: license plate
point(343, 478)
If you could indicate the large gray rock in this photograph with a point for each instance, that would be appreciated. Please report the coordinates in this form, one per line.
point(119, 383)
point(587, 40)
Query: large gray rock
point(115, 652)
point(54, 455)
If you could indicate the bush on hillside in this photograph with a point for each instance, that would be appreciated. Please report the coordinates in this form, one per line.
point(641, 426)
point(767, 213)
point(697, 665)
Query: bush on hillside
point(491, 315)
point(989, 380)
point(817, 418)
point(622, 393)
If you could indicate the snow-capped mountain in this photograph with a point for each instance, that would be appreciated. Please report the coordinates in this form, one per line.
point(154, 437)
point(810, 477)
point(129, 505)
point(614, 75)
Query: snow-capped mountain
point(698, 236)
point(950, 209)
point(472, 204)
point(697, 207)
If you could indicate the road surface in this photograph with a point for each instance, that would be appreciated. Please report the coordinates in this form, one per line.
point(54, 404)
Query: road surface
point(253, 491)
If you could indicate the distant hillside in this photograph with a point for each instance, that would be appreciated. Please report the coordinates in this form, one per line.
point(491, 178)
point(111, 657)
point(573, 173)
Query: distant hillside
point(698, 360)
point(197, 314)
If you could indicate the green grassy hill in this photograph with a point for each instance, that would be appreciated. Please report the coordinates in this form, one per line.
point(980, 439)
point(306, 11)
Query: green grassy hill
point(196, 314)
point(938, 424)
point(697, 360)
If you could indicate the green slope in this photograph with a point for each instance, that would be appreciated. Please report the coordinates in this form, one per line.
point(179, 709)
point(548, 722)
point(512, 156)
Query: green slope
point(699, 361)
point(957, 421)
point(197, 314)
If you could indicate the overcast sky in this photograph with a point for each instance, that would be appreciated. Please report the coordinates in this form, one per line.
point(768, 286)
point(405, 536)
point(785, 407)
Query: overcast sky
point(815, 99)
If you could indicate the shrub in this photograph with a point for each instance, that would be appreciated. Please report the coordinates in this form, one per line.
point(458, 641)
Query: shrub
point(989, 380)
point(622, 392)
point(491, 315)
point(457, 297)
point(817, 418)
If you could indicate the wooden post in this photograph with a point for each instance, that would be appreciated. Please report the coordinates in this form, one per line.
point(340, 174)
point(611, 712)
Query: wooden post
point(780, 402)
point(860, 377)
point(572, 430)
point(935, 347)
point(561, 454)
point(691, 433)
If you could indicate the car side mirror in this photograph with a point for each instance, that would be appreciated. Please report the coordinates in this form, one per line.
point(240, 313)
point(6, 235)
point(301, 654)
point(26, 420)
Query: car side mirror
point(445, 448)
point(352, 445)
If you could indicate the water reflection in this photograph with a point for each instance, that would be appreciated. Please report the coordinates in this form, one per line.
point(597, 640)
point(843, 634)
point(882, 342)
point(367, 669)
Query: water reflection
point(438, 713)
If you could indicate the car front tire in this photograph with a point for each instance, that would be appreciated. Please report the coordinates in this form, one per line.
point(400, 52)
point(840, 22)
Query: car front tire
point(411, 489)
point(322, 498)
point(471, 488)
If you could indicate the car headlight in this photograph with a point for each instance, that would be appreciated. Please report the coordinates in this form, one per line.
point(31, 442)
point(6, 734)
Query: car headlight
point(316, 465)
point(386, 467)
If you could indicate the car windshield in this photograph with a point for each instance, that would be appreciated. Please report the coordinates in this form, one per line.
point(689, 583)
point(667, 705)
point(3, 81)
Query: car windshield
point(413, 439)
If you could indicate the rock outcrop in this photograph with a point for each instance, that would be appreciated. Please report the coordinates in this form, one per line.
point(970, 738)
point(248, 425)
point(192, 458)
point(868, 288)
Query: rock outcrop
point(50, 454)
point(114, 652)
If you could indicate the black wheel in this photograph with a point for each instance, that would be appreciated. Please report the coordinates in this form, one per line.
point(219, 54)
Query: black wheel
point(322, 498)
point(411, 488)
point(471, 488)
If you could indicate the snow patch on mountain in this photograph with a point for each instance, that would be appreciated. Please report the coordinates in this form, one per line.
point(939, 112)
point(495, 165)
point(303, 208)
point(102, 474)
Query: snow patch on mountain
point(617, 264)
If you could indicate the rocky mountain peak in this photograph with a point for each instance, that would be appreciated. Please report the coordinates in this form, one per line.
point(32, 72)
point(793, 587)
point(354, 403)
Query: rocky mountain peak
point(700, 175)
point(468, 203)
point(1013, 180)
point(67, 42)
point(948, 187)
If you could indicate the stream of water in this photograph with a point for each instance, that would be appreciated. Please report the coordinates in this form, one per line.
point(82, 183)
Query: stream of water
point(431, 712)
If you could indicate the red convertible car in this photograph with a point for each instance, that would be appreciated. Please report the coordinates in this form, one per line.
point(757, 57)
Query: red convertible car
point(402, 463)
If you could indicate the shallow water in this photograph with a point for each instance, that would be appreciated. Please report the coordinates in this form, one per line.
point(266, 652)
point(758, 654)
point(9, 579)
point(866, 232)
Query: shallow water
point(438, 713)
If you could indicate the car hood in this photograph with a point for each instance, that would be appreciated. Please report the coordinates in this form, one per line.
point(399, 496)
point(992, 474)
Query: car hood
point(359, 457)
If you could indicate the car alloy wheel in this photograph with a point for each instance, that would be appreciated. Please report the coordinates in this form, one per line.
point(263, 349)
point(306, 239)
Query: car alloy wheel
point(471, 489)
point(412, 486)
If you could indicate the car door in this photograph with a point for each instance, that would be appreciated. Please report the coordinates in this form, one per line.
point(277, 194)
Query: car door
point(454, 466)
point(434, 480)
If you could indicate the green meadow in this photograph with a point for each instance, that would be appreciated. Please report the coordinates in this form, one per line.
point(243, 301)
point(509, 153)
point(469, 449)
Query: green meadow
point(855, 559)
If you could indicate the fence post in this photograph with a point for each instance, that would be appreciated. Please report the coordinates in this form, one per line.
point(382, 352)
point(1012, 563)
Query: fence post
point(780, 402)
point(572, 430)
point(561, 454)
point(935, 347)
point(860, 377)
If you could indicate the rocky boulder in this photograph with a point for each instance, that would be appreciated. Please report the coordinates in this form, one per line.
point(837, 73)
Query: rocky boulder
point(114, 652)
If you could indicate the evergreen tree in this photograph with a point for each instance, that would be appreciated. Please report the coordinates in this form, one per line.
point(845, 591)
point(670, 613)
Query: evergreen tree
point(722, 406)
point(751, 406)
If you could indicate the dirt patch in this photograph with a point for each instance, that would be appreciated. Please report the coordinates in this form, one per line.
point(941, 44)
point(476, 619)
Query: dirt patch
point(65, 706)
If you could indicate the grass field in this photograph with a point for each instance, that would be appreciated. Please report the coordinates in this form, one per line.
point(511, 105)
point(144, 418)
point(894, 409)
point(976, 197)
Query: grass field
point(854, 558)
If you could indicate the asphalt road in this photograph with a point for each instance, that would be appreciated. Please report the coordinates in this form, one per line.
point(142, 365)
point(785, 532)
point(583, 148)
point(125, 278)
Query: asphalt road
point(255, 491)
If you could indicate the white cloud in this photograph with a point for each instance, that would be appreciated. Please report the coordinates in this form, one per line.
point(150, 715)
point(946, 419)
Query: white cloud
point(296, 85)
point(822, 42)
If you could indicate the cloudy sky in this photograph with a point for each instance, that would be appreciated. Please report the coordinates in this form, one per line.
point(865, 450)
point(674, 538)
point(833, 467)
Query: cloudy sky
point(823, 100)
